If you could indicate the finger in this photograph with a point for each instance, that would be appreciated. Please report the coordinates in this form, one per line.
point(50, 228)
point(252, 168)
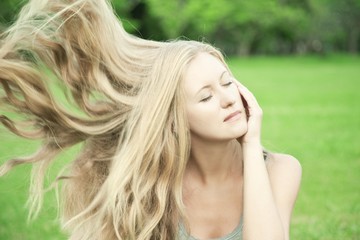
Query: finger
point(246, 91)
point(248, 96)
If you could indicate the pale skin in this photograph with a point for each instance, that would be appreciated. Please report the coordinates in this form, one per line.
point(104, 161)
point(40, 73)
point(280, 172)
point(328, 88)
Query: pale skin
point(227, 178)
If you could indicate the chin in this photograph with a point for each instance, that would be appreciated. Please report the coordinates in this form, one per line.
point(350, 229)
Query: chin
point(240, 130)
point(238, 136)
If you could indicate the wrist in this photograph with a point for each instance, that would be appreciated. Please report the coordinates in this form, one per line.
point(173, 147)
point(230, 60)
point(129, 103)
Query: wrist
point(251, 146)
point(251, 143)
point(252, 151)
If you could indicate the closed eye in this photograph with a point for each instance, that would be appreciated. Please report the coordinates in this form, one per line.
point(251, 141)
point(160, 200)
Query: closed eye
point(228, 83)
point(206, 99)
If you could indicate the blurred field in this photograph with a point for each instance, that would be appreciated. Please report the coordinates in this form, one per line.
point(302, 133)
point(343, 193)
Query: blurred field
point(311, 110)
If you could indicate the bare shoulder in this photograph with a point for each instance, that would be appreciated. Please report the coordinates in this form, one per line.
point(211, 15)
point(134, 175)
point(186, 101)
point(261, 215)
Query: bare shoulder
point(285, 175)
point(283, 164)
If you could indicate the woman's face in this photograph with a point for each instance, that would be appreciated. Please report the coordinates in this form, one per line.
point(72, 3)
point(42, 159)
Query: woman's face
point(213, 103)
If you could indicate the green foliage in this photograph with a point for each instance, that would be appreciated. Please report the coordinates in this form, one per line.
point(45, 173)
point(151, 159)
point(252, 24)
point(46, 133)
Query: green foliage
point(8, 11)
point(123, 10)
point(265, 26)
point(171, 23)
point(240, 27)
point(347, 14)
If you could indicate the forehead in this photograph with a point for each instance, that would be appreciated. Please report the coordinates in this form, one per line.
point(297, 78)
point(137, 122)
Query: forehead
point(202, 70)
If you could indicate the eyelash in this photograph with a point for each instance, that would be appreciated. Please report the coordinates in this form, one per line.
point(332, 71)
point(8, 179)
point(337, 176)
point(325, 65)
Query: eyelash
point(209, 97)
point(228, 83)
point(206, 99)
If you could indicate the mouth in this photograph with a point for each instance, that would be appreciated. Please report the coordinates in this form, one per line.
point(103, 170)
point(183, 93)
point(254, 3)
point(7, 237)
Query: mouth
point(233, 116)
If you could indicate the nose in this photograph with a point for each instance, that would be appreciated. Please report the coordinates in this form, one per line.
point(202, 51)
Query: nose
point(227, 98)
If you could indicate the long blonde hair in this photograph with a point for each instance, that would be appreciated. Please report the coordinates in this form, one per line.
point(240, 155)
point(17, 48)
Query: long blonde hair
point(127, 181)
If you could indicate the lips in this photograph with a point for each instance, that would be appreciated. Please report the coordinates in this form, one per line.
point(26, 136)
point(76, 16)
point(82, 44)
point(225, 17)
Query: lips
point(232, 116)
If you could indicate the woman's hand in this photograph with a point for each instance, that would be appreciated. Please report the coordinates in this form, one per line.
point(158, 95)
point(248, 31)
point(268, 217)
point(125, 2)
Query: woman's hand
point(254, 116)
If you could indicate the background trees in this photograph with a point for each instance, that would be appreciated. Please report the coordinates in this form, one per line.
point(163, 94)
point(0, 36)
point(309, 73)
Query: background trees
point(240, 27)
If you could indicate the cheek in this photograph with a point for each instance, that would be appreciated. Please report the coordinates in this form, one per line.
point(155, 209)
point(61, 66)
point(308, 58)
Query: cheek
point(200, 118)
point(195, 118)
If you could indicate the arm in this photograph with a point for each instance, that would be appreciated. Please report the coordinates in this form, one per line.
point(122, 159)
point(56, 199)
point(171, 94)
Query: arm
point(268, 201)
point(285, 177)
point(261, 215)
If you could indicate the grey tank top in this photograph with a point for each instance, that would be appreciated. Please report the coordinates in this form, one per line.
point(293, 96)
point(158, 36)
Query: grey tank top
point(236, 234)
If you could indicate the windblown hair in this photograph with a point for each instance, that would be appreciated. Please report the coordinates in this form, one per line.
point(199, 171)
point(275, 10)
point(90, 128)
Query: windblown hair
point(126, 183)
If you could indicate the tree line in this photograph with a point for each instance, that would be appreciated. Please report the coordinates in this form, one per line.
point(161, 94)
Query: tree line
point(240, 27)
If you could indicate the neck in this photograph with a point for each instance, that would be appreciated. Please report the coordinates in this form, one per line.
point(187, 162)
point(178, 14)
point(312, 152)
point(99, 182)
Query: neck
point(215, 162)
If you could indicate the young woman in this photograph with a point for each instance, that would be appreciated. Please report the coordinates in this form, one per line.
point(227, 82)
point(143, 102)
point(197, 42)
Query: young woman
point(171, 141)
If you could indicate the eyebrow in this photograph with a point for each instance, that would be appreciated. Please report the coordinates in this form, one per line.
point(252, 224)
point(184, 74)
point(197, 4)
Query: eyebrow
point(208, 85)
point(222, 74)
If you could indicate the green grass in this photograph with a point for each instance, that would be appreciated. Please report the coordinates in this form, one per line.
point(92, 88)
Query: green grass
point(311, 111)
